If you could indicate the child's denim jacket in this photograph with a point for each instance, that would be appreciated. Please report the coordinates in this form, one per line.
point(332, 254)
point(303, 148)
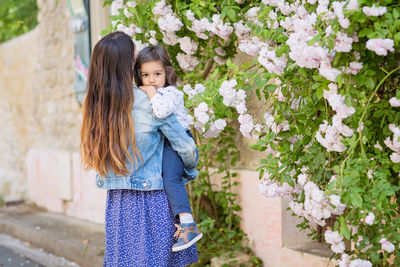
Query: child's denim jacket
point(149, 135)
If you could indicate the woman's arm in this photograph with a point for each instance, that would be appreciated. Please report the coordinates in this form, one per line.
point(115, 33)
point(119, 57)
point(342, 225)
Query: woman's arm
point(180, 141)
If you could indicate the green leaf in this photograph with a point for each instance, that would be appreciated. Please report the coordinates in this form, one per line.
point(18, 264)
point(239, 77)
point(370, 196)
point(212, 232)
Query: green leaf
point(105, 32)
point(397, 24)
point(303, 73)
point(344, 229)
point(315, 39)
point(364, 32)
point(396, 236)
point(396, 13)
point(270, 88)
point(320, 93)
point(331, 43)
point(397, 38)
point(315, 85)
point(356, 199)
point(374, 257)
point(231, 15)
point(369, 83)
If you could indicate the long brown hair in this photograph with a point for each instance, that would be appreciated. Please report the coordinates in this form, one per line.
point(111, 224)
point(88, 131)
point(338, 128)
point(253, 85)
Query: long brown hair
point(155, 53)
point(107, 129)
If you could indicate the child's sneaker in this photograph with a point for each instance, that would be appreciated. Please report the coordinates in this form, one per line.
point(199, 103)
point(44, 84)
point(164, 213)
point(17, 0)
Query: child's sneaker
point(187, 234)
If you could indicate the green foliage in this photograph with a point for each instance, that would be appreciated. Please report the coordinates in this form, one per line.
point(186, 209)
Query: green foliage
point(17, 17)
point(2, 202)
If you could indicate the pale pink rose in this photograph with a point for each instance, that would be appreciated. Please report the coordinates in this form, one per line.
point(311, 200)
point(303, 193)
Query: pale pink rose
point(360, 263)
point(328, 72)
point(220, 28)
point(386, 245)
point(302, 178)
point(116, 5)
point(170, 38)
point(378, 146)
point(374, 11)
point(220, 51)
point(220, 61)
point(271, 62)
point(370, 219)
point(190, 15)
point(394, 102)
point(380, 46)
point(215, 128)
point(355, 67)
point(187, 45)
point(344, 260)
point(395, 158)
point(251, 47)
point(153, 41)
point(343, 42)
point(241, 30)
point(187, 62)
point(353, 5)
point(169, 23)
point(333, 238)
point(200, 27)
point(161, 9)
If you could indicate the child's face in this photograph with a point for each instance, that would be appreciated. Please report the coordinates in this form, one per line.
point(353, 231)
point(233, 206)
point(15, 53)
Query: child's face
point(153, 73)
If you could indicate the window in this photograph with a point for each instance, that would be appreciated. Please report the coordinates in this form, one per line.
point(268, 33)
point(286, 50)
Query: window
point(80, 23)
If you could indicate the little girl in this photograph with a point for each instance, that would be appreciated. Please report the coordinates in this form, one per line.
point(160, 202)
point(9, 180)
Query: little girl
point(154, 74)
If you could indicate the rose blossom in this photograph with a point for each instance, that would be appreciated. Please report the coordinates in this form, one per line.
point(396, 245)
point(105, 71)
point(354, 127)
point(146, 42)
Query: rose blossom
point(241, 30)
point(380, 46)
point(386, 245)
point(360, 263)
point(394, 102)
point(395, 158)
point(336, 241)
point(374, 11)
point(188, 46)
point(370, 218)
point(161, 9)
point(187, 62)
point(169, 23)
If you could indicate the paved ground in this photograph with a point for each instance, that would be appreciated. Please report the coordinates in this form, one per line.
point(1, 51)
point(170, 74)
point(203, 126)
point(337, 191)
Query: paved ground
point(11, 259)
point(76, 240)
point(15, 253)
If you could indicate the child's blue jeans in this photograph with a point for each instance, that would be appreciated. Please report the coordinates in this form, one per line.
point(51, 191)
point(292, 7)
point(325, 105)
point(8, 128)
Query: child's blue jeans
point(172, 173)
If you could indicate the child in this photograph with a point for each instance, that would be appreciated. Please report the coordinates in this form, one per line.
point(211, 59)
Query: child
point(154, 74)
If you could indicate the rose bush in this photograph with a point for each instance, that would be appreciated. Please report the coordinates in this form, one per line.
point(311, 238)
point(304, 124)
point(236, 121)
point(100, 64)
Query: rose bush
point(327, 74)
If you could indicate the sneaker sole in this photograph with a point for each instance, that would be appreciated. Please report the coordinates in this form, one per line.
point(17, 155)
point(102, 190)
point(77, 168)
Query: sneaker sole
point(194, 240)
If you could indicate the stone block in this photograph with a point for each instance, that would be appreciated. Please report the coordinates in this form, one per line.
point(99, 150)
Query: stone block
point(233, 259)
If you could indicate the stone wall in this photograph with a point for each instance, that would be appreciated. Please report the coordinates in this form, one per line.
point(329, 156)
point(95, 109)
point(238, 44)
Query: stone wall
point(38, 103)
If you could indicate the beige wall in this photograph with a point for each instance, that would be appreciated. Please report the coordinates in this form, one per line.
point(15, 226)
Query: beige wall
point(16, 76)
point(38, 104)
point(98, 19)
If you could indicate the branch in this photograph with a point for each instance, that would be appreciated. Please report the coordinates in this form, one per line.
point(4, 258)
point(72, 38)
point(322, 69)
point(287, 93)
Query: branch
point(207, 70)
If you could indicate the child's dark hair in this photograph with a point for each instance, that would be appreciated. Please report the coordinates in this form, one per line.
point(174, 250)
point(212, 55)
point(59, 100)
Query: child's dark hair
point(154, 53)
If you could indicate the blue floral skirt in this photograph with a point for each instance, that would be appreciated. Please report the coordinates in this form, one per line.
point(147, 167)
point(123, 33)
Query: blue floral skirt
point(139, 231)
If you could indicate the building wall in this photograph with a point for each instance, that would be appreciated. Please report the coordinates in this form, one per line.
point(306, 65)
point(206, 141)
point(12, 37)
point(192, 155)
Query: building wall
point(17, 62)
point(38, 104)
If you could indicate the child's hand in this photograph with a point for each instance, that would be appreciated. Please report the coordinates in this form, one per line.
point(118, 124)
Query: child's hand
point(150, 90)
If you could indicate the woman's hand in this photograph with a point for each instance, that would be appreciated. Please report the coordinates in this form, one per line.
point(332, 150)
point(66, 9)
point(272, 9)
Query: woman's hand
point(150, 90)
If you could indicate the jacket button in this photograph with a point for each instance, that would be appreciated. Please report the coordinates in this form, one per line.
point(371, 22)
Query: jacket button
point(145, 184)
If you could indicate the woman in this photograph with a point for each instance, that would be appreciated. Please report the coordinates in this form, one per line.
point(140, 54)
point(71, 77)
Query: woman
point(123, 142)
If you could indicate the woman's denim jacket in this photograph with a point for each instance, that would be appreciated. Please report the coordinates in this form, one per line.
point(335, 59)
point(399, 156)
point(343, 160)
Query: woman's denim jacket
point(149, 135)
